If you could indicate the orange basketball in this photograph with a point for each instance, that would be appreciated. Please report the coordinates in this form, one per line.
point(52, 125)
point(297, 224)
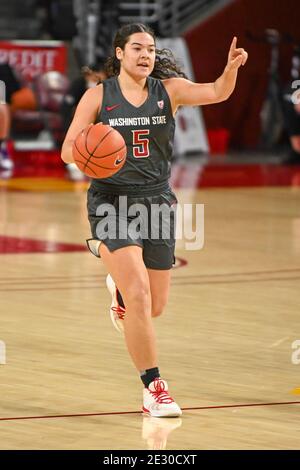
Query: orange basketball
point(99, 151)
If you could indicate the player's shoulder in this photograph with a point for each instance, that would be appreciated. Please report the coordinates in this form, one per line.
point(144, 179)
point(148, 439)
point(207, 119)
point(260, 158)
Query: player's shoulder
point(92, 98)
point(173, 84)
point(94, 93)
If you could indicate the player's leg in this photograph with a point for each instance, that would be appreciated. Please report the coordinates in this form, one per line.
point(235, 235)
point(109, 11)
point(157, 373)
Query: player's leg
point(159, 247)
point(127, 268)
point(125, 260)
point(158, 255)
point(159, 287)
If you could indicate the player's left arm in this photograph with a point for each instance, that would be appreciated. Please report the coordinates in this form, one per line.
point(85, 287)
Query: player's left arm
point(185, 92)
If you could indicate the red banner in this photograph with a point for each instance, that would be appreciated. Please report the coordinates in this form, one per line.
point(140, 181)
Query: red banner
point(32, 58)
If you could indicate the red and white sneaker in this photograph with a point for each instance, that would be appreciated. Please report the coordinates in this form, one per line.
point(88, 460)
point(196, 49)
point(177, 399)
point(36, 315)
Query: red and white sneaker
point(116, 311)
point(157, 401)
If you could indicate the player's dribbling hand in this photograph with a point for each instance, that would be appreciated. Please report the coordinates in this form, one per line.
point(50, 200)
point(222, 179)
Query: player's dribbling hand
point(237, 56)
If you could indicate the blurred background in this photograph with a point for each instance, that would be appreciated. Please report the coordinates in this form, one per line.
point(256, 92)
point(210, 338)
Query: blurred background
point(252, 138)
point(230, 333)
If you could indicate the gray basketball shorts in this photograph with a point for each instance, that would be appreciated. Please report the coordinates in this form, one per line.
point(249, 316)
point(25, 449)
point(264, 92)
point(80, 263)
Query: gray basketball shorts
point(145, 221)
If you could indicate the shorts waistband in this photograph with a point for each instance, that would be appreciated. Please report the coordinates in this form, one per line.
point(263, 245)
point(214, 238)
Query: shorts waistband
point(147, 189)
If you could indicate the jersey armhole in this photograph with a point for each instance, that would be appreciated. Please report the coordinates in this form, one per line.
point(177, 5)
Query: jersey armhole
point(100, 106)
point(169, 100)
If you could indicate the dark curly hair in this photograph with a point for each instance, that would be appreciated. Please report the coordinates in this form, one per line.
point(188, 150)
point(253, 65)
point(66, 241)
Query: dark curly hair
point(165, 65)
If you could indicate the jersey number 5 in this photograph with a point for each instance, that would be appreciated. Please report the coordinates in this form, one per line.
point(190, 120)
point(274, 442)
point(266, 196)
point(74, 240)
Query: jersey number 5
point(140, 143)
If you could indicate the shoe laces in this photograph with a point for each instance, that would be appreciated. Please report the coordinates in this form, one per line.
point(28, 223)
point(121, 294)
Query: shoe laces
point(120, 311)
point(160, 394)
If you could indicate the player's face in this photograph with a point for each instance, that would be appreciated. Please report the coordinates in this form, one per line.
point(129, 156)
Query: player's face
point(138, 56)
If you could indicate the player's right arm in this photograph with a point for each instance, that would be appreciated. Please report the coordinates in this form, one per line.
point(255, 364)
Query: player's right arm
point(85, 114)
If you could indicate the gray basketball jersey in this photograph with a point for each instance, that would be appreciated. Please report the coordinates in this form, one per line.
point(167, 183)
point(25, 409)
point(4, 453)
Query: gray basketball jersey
point(148, 131)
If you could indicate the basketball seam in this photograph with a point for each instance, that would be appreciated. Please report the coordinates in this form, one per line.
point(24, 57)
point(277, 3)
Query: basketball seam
point(101, 166)
point(95, 164)
point(85, 166)
point(92, 154)
point(104, 137)
point(83, 156)
point(86, 148)
point(108, 154)
point(104, 167)
point(76, 160)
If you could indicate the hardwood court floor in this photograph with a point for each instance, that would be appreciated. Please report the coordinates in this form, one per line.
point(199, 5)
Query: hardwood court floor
point(225, 340)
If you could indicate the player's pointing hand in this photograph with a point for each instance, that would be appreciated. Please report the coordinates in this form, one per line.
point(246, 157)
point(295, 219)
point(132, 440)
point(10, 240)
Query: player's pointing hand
point(237, 56)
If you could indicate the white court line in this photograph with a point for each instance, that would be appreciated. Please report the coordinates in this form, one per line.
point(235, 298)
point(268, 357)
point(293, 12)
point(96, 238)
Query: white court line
point(277, 343)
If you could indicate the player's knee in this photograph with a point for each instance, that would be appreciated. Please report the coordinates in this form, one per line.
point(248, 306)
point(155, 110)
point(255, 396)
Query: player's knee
point(156, 312)
point(157, 308)
point(138, 298)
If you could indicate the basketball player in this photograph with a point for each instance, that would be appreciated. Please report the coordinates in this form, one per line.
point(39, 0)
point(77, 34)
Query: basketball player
point(143, 83)
point(5, 161)
point(291, 113)
point(9, 84)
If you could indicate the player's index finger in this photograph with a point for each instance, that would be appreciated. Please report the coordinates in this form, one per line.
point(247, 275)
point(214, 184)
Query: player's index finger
point(233, 43)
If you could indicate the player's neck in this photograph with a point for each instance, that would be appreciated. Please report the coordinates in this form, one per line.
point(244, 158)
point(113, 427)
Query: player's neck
point(131, 83)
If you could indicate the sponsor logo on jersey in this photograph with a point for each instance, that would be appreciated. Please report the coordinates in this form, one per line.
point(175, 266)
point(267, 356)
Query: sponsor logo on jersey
point(114, 106)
